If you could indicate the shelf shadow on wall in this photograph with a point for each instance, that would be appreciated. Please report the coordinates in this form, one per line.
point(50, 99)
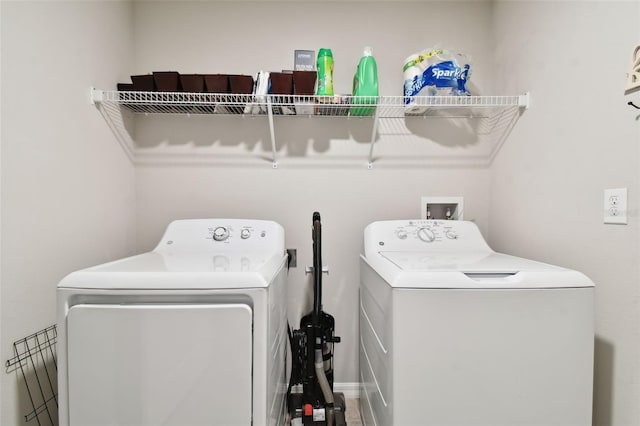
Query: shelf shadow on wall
point(453, 132)
point(332, 141)
point(199, 130)
point(303, 136)
point(297, 136)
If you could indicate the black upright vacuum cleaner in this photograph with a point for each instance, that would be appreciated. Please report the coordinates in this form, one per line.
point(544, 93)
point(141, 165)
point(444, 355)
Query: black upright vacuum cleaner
point(312, 357)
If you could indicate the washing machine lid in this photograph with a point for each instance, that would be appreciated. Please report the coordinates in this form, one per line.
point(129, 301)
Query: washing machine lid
point(471, 269)
point(156, 270)
point(473, 261)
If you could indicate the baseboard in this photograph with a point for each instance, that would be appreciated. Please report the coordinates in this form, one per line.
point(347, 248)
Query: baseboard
point(350, 390)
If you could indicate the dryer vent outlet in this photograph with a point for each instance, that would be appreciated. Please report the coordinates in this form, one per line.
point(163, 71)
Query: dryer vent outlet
point(442, 208)
point(292, 262)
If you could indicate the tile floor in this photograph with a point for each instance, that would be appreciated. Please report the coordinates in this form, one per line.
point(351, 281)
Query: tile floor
point(353, 412)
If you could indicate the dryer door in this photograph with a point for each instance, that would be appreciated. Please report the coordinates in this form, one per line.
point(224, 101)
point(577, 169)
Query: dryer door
point(159, 364)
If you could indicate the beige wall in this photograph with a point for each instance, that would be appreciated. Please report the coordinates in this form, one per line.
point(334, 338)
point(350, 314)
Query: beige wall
point(578, 138)
point(67, 198)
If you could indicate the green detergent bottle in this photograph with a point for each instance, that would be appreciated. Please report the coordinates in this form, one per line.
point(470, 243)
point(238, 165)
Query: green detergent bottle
point(325, 72)
point(365, 85)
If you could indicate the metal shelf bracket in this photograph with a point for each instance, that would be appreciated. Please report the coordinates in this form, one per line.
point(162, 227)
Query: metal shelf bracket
point(272, 132)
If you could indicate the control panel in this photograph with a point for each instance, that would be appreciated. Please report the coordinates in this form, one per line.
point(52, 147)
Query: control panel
point(423, 235)
point(226, 233)
point(427, 231)
point(215, 235)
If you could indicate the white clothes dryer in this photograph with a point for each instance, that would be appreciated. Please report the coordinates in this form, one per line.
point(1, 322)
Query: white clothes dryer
point(191, 333)
point(453, 333)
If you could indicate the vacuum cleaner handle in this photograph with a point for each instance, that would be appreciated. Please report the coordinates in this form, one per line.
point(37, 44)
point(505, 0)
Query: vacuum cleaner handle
point(317, 268)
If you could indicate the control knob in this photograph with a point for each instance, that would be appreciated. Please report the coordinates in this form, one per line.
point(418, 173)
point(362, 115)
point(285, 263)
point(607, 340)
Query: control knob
point(401, 233)
point(245, 233)
point(451, 234)
point(426, 235)
point(220, 233)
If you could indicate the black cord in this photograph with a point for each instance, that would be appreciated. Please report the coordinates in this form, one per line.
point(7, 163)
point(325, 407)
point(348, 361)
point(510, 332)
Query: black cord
point(633, 105)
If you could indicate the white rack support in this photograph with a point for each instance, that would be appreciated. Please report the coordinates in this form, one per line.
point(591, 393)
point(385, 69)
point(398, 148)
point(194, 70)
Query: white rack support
point(497, 114)
point(113, 117)
point(272, 132)
point(374, 132)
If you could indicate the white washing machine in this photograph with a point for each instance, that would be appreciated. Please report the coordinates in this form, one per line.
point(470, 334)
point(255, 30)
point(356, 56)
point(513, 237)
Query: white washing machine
point(453, 333)
point(191, 333)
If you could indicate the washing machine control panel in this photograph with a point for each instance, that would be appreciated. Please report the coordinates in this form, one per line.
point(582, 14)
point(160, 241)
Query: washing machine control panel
point(423, 235)
point(427, 231)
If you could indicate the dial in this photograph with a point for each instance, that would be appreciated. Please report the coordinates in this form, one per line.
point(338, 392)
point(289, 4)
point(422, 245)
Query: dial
point(451, 234)
point(426, 235)
point(245, 233)
point(402, 234)
point(220, 233)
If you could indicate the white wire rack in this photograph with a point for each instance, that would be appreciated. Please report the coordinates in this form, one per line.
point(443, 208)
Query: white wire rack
point(498, 114)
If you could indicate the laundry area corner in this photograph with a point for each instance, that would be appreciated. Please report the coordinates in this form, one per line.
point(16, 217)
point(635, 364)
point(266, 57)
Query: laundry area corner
point(94, 169)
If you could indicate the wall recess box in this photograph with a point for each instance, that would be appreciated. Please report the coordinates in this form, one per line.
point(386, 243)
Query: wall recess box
point(442, 208)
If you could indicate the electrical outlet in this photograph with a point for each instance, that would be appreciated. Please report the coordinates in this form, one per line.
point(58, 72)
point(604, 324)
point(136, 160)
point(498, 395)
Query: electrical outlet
point(615, 206)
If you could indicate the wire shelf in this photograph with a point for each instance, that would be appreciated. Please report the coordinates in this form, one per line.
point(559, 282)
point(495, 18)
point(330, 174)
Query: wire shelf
point(35, 357)
point(334, 106)
point(497, 114)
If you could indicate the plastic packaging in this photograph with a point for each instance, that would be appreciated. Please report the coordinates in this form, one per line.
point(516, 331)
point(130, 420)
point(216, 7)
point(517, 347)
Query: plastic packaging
point(325, 72)
point(260, 94)
point(365, 84)
point(435, 72)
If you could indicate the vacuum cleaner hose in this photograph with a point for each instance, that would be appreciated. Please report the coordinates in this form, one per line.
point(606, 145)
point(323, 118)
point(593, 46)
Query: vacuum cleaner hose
point(325, 387)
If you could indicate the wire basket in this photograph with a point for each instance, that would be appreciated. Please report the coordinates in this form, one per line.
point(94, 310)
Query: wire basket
point(35, 357)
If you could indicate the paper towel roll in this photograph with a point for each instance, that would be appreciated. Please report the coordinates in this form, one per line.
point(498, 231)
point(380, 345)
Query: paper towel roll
point(415, 79)
point(434, 72)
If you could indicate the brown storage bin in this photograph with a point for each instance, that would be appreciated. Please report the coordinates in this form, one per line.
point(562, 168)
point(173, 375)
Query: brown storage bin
point(216, 83)
point(193, 83)
point(125, 87)
point(304, 82)
point(241, 84)
point(143, 83)
point(281, 83)
point(167, 81)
